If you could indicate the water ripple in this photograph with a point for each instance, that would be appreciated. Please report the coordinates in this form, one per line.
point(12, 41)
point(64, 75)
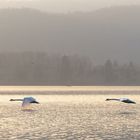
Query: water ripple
point(73, 120)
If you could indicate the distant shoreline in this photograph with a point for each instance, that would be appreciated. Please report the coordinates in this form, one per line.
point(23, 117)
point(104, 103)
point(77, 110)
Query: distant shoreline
point(68, 90)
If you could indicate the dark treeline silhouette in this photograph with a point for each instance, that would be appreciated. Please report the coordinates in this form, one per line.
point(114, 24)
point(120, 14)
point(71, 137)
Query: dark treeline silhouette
point(39, 68)
point(27, 36)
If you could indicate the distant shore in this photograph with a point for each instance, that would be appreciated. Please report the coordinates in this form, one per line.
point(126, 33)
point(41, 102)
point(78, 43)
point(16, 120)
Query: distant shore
point(69, 90)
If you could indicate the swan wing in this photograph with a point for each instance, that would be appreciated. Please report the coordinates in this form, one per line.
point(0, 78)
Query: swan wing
point(26, 102)
point(124, 99)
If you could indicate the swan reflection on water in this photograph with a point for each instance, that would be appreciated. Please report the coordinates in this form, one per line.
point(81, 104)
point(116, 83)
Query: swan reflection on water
point(28, 110)
point(127, 113)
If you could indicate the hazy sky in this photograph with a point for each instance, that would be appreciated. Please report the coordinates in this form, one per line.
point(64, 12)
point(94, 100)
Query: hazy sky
point(66, 5)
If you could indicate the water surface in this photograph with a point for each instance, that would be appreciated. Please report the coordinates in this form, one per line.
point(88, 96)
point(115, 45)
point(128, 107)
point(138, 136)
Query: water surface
point(71, 117)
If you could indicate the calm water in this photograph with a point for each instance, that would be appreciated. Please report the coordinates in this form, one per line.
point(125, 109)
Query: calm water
point(71, 117)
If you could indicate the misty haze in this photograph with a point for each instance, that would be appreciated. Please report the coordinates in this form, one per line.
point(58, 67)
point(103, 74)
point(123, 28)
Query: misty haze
point(65, 6)
point(78, 48)
point(69, 69)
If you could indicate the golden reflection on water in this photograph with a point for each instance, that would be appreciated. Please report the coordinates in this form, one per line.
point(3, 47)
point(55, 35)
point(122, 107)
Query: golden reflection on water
point(70, 88)
point(70, 117)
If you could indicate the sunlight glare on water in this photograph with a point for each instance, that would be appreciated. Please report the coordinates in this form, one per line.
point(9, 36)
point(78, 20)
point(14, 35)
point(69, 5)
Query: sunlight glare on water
point(70, 117)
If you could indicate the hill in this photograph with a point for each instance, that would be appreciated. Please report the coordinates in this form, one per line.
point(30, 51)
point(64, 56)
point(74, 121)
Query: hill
point(111, 33)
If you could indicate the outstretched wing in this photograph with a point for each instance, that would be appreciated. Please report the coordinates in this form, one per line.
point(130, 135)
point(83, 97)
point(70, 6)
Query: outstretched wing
point(126, 100)
point(27, 101)
point(123, 99)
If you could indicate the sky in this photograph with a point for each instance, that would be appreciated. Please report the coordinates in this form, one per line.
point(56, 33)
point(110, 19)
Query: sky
point(65, 6)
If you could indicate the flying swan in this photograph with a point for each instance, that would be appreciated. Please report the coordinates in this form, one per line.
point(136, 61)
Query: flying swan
point(124, 100)
point(26, 101)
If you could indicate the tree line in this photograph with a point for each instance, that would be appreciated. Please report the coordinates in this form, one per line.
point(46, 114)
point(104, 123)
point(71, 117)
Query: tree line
point(40, 68)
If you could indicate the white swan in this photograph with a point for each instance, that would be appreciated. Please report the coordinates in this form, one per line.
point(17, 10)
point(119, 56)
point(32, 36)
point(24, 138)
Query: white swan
point(125, 100)
point(26, 101)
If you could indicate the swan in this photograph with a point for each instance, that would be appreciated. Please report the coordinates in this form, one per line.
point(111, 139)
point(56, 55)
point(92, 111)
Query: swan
point(26, 101)
point(124, 100)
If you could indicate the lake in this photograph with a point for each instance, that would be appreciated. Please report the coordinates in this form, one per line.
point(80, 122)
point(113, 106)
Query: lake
point(72, 115)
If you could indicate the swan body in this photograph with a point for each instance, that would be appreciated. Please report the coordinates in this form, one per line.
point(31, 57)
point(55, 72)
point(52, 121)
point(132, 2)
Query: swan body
point(124, 100)
point(26, 101)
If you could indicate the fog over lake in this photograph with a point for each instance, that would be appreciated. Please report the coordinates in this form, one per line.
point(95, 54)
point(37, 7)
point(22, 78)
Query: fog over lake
point(69, 69)
point(65, 6)
point(86, 48)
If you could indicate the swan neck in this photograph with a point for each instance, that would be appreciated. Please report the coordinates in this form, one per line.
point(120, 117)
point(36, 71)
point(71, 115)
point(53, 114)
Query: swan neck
point(114, 99)
point(16, 100)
